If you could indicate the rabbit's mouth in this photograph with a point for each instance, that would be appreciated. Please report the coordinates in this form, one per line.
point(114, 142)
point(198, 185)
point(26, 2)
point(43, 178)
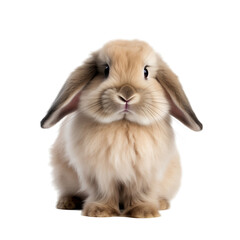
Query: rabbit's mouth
point(126, 108)
point(125, 111)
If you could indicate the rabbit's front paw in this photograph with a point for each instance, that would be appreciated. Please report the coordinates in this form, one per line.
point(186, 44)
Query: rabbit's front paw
point(164, 204)
point(99, 210)
point(144, 210)
point(70, 203)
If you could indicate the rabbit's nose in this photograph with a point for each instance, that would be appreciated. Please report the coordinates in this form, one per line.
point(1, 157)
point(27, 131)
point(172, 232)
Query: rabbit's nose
point(126, 93)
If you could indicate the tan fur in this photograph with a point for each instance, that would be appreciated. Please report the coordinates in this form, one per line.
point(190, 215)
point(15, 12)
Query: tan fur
point(142, 210)
point(107, 156)
point(100, 210)
point(164, 204)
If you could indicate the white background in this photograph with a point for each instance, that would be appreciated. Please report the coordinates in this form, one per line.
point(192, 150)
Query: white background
point(43, 41)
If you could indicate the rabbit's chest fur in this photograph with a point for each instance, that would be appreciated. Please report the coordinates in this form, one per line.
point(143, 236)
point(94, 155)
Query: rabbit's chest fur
point(120, 151)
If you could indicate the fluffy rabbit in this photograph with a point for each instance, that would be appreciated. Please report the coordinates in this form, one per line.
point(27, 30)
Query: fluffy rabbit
point(116, 146)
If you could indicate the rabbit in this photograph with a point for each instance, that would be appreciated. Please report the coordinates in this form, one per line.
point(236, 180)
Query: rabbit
point(115, 154)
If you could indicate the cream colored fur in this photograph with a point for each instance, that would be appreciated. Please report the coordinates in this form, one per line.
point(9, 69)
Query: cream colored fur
point(106, 156)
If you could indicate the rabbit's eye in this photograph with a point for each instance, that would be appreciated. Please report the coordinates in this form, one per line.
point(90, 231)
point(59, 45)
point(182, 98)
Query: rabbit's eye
point(145, 72)
point(106, 71)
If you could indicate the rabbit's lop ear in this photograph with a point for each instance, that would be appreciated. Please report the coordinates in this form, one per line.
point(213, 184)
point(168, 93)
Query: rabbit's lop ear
point(180, 106)
point(68, 98)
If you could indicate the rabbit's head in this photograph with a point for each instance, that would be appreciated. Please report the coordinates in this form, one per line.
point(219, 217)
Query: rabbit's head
point(124, 80)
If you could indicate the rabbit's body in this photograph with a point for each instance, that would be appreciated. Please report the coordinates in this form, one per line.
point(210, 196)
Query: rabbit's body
point(122, 161)
point(117, 145)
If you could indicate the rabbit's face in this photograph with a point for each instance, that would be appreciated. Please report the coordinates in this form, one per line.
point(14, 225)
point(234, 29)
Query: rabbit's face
point(125, 80)
point(125, 86)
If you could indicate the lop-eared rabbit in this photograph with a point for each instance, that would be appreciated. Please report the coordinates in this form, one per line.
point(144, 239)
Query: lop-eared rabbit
point(116, 146)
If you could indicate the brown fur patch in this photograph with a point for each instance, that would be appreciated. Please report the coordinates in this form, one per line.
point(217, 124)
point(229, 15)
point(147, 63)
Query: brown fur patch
point(144, 210)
